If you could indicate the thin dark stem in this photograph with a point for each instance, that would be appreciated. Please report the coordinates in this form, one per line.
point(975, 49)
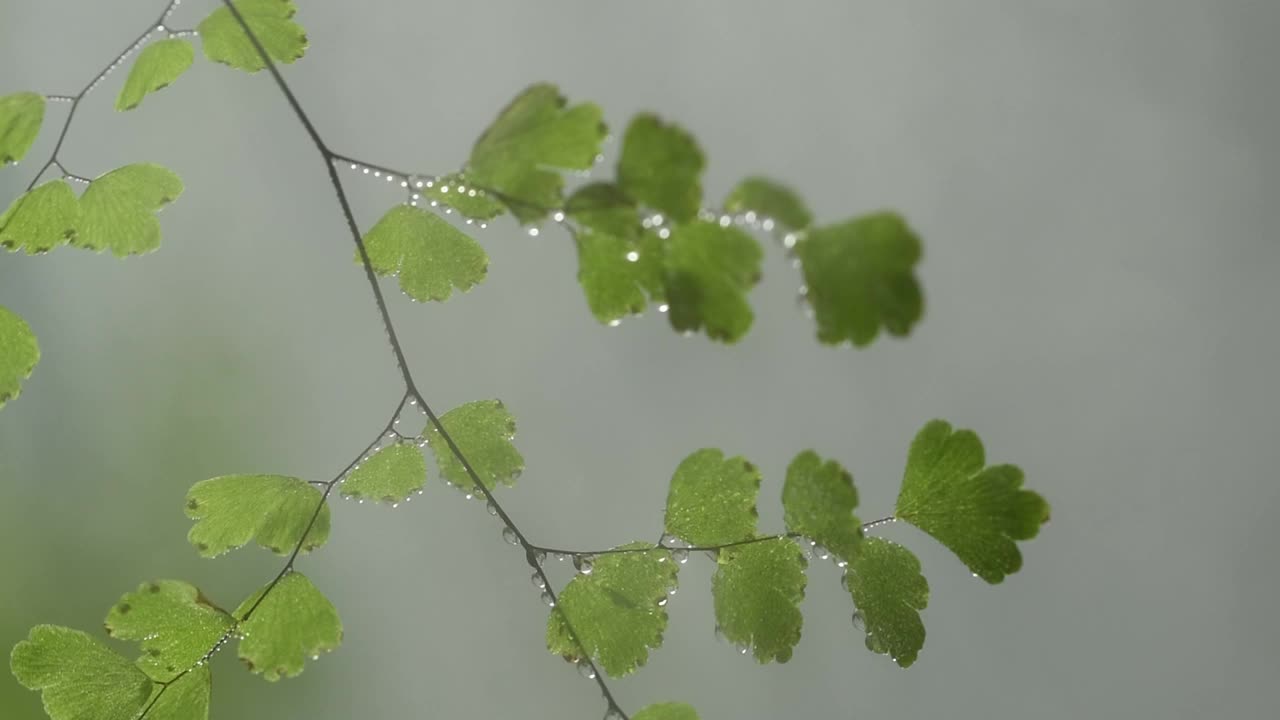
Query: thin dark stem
point(697, 548)
point(410, 385)
point(97, 78)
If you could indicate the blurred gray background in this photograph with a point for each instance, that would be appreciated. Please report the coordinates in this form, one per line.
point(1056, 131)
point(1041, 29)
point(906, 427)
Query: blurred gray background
point(1095, 183)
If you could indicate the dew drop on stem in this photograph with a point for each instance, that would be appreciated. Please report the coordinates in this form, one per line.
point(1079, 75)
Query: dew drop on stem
point(585, 670)
point(583, 564)
point(537, 581)
point(547, 599)
point(493, 509)
point(859, 623)
point(681, 555)
point(509, 534)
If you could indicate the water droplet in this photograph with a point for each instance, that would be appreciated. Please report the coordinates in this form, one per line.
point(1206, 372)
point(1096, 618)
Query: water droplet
point(767, 224)
point(585, 670)
point(859, 623)
point(662, 602)
point(844, 580)
point(558, 216)
point(821, 553)
point(615, 322)
point(664, 233)
point(493, 509)
point(533, 232)
point(315, 657)
point(681, 555)
point(537, 581)
point(539, 556)
point(547, 599)
point(720, 636)
point(669, 540)
point(663, 307)
point(871, 643)
point(583, 564)
point(725, 220)
point(633, 256)
point(672, 592)
point(509, 534)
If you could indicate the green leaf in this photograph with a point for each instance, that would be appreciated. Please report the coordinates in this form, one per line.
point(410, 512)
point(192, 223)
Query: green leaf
point(273, 509)
point(613, 273)
point(976, 512)
point(617, 610)
point(889, 592)
point(859, 277)
point(271, 22)
point(294, 621)
point(660, 166)
point(80, 679)
point(156, 68)
point(117, 209)
point(456, 191)
point(534, 133)
point(709, 269)
point(818, 501)
point(769, 200)
point(41, 219)
point(667, 711)
point(187, 698)
point(605, 208)
point(430, 256)
point(19, 354)
point(757, 591)
point(393, 473)
point(712, 500)
point(483, 430)
point(620, 265)
point(174, 623)
point(21, 115)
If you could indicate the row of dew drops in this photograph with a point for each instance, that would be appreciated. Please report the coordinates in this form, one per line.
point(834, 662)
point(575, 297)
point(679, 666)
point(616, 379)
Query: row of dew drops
point(749, 220)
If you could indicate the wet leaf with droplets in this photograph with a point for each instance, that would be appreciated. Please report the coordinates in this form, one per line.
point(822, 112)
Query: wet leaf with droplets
point(157, 67)
point(41, 219)
point(712, 499)
point(860, 277)
point(889, 592)
point(174, 624)
point(21, 115)
point(708, 270)
point(391, 475)
point(19, 353)
point(118, 209)
point(977, 512)
point(518, 156)
point(615, 609)
point(661, 166)
point(771, 200)
point(757, 591)
point(79, 677)
point(293, 622)
point(483, 431)
point(429, 255)
point(275, 510)
point(615, 274)
point(667, 711)
point(818, 500)
point(271, 22)
point(620, 264)
point(455, 191)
